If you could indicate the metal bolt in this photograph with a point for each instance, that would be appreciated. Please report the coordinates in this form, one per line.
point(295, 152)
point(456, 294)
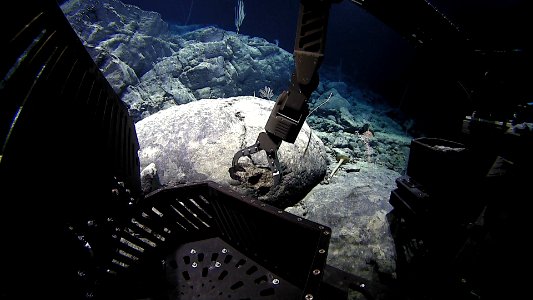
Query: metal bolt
point(224, 250)
point(90, 222)
point(193, 251)
point(308, 297)
point(316, 271)
point(362, 285)
point(326, 232)
point(81, 273)
point(299, 219)
point(320, 227)
point(321, 251)
point(275, 281)
point(217, 264)
point(194, 265)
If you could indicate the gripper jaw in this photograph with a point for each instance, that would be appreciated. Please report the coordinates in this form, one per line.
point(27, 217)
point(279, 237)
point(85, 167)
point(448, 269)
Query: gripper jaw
point(270, 145)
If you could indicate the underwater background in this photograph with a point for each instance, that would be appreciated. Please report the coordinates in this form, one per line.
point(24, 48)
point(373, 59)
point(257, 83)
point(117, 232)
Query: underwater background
point(199, 90)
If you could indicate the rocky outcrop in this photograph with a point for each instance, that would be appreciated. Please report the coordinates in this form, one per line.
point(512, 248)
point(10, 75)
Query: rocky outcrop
point(356, 122)
point(197, 141)
point(153, 67)
point(123, 40)
point(212, 63)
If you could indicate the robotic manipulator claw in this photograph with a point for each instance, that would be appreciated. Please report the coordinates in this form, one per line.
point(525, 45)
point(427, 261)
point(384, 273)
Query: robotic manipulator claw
point(284, 124)
point(291, 109)
point(266, 142)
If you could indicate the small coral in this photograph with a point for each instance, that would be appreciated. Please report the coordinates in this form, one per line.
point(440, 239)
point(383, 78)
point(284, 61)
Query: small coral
point(266, 93)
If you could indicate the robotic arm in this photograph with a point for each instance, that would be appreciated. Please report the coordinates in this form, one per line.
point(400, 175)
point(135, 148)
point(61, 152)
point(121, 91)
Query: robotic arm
point(291, 108)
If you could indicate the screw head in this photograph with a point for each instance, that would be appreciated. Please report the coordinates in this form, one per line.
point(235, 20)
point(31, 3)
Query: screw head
point(308, 297)
point(316, 271)
point(275, 281)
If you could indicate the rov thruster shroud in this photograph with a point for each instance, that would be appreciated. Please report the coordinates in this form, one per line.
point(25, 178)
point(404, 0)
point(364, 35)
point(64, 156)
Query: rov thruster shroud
point(75, 223)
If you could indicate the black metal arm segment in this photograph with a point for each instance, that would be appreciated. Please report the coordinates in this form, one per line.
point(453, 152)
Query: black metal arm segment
point(291, 108)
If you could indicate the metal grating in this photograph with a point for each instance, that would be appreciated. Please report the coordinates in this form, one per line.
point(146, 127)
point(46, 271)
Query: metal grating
point(65, 140)
point(52, 93)
point(203, 239)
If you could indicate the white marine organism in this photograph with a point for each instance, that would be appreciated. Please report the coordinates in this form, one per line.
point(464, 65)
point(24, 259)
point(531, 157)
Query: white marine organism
point(266, 93)
point(239, 14)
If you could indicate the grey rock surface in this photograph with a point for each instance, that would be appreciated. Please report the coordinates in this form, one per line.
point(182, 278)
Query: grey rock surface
point(153, 67)
point(355, 205)
point(196, 141)
point(119, 35)
point(342, 122)
point(211, 63)
point(150, 179)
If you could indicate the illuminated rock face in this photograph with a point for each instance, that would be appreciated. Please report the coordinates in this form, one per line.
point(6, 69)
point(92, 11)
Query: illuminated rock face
point(355, 204)
point(153, 66)
point(197, 141)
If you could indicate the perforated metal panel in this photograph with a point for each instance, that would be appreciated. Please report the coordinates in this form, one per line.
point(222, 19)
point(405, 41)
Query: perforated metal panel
point(212, 269)
point(203, 239)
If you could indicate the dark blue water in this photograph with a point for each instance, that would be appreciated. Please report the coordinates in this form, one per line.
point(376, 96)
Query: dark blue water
point(437, 86)
point(373, 54)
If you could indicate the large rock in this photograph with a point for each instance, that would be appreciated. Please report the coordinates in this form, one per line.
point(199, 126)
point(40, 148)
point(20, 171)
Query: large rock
point(197, 141)
point(355, 205)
